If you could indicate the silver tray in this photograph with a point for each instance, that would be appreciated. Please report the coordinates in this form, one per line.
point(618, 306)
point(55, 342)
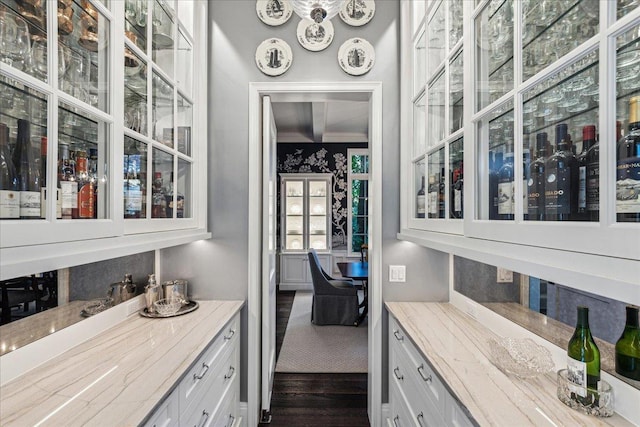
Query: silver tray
point(188, 308)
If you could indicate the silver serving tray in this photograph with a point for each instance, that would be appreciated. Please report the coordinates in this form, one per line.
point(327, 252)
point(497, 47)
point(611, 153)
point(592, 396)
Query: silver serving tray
point(187, 308)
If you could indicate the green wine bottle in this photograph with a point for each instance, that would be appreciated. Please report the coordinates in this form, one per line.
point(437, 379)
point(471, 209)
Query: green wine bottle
point(628, 347)
point(583, 361)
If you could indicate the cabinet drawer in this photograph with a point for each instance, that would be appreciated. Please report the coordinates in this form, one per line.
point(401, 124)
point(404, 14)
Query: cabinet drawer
point(455, 416)
point(227, 413)
point(210, 365)
point(167, 414)
point(400, 413)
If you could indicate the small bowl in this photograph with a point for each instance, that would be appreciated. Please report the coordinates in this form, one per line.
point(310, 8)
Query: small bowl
point(167, 307)
point(97, 305)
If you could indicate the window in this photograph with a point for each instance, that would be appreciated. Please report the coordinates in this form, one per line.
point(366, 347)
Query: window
point(358, 199)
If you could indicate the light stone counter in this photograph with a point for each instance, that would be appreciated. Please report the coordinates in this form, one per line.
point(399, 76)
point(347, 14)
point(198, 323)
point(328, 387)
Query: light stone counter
point(117, 377)
point(456, 347)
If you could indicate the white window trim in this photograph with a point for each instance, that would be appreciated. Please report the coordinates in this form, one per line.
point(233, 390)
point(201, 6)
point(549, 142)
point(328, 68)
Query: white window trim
point(350, 177)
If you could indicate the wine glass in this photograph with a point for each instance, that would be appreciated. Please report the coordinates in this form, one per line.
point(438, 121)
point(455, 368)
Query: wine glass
point(38, 59)
point(15, 41)
point(64, 57)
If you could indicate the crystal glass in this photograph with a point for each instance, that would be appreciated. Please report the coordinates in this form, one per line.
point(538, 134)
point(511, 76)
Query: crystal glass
point(419, 129)
point(567, 24)
point(456, 99)
point(87, 136)
point(494, 52)
point(162, 110)
point(494, 144)
point(419, 60)
point(520, 357)
point(163, 36)
point(597, 403)
point(184, 73)
point(185, 123)
point(38, 65)
point(420, 182)
point(436, 39)
point(135, 33)
point(456, 179)
point(435, 111)
point(135, 178)
point(162, 168)
point(15, 45)
point(435, 188)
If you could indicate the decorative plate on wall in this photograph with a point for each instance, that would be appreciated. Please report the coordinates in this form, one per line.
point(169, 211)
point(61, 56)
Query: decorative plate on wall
point(358, 12)
point(356, 56)
point(315, 37)
point(273, 12)
point(274, 57)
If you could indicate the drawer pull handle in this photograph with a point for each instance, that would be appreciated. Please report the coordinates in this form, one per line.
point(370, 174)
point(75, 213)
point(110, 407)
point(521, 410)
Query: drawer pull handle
point(420, 418)
point(396, 372)
point(204, 371)
point(203, 418)
point(231, 420)
point(232, 332)
point(421, 372)
point(398, 336)
point(230, 374)
point(395, 420)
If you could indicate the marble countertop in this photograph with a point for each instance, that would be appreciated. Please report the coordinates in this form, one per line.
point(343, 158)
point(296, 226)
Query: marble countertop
point(456, 346)
point(117, 377)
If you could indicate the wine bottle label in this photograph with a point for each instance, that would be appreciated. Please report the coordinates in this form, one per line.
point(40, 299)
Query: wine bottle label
point(85, 200)
point(29, 204)
point(9, 204)
point(593, 186)
point(420, 206)
point(457, 200)
point(628, 185)
point(557, 194)
point(577, 376)
point(433, 203)
point(582, 187)
point(505, 198)
point(69, 190)
point(58, 203)
point(133, 201)
point(43, 203)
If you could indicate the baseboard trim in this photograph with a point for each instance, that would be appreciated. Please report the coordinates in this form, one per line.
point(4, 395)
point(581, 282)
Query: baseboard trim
point(385, 410)
point(243, 410)
point(296, 287)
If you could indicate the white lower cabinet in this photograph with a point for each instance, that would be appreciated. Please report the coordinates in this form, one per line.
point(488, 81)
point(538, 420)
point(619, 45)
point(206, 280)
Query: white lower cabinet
point(208, 393)
point(295, 273)
point(417, 397)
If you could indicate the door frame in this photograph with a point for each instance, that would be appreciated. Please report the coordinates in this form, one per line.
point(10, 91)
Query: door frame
point(299, 91)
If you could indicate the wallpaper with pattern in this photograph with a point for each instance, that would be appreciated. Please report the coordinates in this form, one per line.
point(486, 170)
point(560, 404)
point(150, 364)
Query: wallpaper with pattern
point(322, 158)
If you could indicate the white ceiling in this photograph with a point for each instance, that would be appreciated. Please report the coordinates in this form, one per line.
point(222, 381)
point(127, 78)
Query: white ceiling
point(322, 121)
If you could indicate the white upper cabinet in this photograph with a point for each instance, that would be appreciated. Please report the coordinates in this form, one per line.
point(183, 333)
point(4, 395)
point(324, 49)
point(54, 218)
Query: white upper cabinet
point(102, 118)
point(540, 101)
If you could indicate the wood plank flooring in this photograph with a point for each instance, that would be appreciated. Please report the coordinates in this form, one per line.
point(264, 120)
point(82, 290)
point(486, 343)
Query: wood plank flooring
point(301, 399)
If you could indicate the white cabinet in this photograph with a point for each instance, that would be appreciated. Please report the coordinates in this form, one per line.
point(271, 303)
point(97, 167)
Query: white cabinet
point(417, 397)
point(114, 110)
point(208, 394)
point(295, 273)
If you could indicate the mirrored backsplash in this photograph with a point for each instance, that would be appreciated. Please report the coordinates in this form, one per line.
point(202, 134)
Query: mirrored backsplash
point(545, 308)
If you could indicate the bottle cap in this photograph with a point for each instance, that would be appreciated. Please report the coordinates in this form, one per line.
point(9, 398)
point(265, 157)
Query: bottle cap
point(43, 146)
point(632, 316)
point(561, 132)
point(634, 109)
point(583, 315)
point(588, 132)
point(541, 140)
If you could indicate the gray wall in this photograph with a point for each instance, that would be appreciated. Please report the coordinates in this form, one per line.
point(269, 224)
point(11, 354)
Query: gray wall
point(218, 268)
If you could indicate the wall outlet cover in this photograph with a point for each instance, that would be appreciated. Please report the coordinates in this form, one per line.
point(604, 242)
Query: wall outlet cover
point(504, 275)
point(397, 273)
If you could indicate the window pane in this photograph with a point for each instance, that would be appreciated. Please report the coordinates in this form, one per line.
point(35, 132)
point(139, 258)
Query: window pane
point(162, 37)
point(135, 178)
point(420, 189)
point(135, 93)
point(359, 163)
point(435, 113)
point(456, 99)
point(184, 189)
point(185, 120)
point(436, 189)
point(162, 169)
point(162, 111)
point(456, 179)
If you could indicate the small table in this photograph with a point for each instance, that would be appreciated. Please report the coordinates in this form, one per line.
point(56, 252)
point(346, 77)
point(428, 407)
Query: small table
point(358, 271)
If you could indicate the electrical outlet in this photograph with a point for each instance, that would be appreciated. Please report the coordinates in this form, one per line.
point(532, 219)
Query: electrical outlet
point(504, 275)
point(397, 273)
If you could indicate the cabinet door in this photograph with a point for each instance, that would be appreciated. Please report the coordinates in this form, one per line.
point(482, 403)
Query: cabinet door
point(294, 208)
point(167, 414)
point(319, 205)
point(294, 268)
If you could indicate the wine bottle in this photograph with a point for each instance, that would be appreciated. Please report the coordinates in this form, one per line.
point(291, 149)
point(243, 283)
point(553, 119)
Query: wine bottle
point(134, 204)
point(506, 197)
point(441, 191)
point(68, 183)
point(179, 201)
point(457, 186)
point(27, 171)
point(561, 180)
point(583, 357)
point(420, 200)
point(588, 140)
point(9, 196)
point(93, 177)
point(628, 347)
point(432, 203)
point(535, 184)
point(85, 186)
point(628, 168)
point(493, 185)
point(593, 177)
point(43, 179)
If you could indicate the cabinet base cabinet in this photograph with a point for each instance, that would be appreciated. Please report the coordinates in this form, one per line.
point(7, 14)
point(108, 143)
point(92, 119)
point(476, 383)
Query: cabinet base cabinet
point(295, 274)
point(416, 396)
point(208, 394)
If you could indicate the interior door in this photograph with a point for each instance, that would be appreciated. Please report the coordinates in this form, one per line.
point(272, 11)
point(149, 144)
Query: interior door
point(269, 212)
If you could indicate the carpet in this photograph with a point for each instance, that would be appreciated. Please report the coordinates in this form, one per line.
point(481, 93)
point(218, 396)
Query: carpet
point(309, 348)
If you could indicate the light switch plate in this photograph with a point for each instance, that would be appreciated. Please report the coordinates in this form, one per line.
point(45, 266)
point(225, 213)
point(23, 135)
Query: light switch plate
point(397, 273)
point(504, 275)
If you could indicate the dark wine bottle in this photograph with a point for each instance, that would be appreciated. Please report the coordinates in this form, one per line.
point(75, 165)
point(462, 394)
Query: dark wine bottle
point(593, 177)
point(67, 181)
point(628, 347)
point(441, 191)
point(420, 201)
point(583, 357)
point(561, 180)
point(588, 140)
point(535, 184)
point(506, 197)
point(628, 168)
point(493, 185)
point(432, 203)
point(28, 172)
point(456, 202)
point(9, 196)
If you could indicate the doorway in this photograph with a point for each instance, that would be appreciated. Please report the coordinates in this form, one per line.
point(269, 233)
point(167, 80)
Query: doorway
point(259, 374)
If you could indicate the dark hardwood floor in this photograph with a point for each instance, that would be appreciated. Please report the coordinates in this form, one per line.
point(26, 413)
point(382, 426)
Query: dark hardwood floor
point(303, 399)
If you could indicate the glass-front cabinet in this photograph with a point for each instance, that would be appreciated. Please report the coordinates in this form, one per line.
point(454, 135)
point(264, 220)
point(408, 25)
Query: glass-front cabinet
point(98, 126)
point(549, 131)
point(305, 209)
